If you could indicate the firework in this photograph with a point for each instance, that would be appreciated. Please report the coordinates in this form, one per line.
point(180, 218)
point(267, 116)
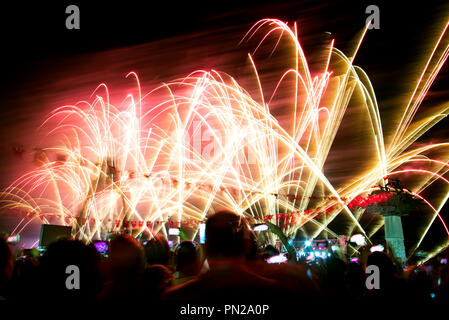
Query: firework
point(210, 144)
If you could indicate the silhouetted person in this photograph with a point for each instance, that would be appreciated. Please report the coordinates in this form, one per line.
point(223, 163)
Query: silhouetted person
point(253, 249)
point(335, 278)
point(420, 286)
point(156, 279)
point(228, 279)
point(187, 262)
point(392, 287)
point(6, 266)
point(157, 251)
point(54, 272)
point(25, 280)
point(125, 270)
point(355, 281)
point(293, 281)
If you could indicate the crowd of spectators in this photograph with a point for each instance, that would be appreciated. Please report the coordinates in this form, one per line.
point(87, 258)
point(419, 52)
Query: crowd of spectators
point(228, 267)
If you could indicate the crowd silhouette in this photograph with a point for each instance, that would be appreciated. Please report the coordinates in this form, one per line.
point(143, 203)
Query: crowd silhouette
point(229, 267)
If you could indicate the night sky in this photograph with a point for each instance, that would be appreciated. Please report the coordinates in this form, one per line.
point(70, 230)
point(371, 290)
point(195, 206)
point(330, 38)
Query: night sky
point(38, 51)
point(35, 33)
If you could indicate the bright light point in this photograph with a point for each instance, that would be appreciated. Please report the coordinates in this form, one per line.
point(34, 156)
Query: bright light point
point(280, 258)
point(13, 239)
point(260, 227)
point(358, 239)
point(173, 232)
point(202, 232)
point(378, 248)
point(206, 142)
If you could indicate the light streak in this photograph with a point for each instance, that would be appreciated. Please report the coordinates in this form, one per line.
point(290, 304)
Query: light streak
point(147, 160)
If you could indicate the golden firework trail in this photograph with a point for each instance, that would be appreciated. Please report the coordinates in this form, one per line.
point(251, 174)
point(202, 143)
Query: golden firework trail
point(210, 144)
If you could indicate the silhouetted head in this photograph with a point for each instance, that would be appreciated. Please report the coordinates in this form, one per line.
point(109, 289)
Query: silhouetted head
point(24, 282)
point(355, 279)
point(420, 282)
point(355, 271)
point(156, 279)
point(126, 257)
point(56, 266)
point(6, 263)
point(187, 257)
point(385, 265)
point(157, 251)
point(253, 248)
point(226, 235)
point(383, 261)
point(335, 268)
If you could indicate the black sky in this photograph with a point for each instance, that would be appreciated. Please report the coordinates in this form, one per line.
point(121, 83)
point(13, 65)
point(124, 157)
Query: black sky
point(34, 32)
